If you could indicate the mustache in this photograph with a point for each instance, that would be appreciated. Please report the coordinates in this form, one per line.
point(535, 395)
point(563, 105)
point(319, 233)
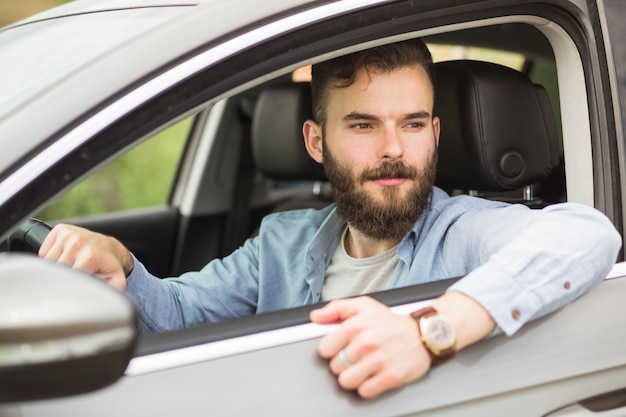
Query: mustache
point(388, 170)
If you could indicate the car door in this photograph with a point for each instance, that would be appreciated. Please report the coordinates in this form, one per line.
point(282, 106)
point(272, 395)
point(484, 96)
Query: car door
point(268, 364)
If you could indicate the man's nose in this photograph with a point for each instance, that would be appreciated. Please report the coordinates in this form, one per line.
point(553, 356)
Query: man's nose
point(390, 144)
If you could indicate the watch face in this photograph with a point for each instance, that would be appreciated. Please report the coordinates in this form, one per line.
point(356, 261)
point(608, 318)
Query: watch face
point(439, 333)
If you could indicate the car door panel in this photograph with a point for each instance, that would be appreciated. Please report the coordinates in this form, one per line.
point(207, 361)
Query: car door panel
point(554, 362)
point(606, 405)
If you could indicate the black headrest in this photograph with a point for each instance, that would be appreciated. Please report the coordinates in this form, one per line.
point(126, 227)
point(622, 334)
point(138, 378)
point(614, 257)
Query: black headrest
point(497, 128)
point(277, 142)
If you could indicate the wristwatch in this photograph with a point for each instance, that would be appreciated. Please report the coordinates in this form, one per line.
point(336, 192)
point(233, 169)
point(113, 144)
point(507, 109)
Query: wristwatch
point(437, 334)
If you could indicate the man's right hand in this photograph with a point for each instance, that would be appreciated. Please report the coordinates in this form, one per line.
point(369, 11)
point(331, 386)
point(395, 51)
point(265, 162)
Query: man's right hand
point(92, 252)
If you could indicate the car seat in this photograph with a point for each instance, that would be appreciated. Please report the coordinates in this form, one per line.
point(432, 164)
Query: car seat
point(498, 131)
point(278, 145)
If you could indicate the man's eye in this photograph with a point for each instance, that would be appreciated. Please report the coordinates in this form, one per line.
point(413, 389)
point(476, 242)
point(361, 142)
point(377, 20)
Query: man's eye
point(416, 125)
point(360, 126)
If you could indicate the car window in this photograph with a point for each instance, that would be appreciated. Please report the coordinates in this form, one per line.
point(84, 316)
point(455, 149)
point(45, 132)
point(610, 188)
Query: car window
point(140, 178)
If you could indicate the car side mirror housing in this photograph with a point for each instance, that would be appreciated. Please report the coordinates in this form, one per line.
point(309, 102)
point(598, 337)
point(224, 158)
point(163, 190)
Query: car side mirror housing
point(62, 331)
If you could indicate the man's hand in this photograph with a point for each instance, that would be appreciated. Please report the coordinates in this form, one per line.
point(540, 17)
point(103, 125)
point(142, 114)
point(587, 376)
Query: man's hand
point(382, 349)
point(89, 251)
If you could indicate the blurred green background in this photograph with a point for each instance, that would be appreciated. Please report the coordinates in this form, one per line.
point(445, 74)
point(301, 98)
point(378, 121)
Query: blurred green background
point(140, 178)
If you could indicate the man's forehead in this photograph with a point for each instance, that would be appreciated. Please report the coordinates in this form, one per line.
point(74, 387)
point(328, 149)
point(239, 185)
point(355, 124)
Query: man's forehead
point(407, 86)
point(367, 74)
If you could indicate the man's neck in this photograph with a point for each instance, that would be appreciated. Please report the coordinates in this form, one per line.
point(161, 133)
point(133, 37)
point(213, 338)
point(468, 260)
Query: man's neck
point(360, 246)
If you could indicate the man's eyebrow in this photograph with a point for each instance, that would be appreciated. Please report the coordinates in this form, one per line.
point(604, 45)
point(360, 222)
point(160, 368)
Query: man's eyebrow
point(359, 116)
point(365, 116)
point(416, 115)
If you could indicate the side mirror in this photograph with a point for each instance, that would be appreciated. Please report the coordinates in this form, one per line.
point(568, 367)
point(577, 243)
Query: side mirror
point(62, 332)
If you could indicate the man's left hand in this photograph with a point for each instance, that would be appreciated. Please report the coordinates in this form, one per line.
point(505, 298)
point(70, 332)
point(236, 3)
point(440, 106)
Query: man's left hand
point(381, 350)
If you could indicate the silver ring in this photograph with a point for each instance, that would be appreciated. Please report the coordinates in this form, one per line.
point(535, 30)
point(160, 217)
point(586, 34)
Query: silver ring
point(343, 359)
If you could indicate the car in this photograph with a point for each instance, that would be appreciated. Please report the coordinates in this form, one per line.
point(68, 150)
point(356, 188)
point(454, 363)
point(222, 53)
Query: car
point(87, 82)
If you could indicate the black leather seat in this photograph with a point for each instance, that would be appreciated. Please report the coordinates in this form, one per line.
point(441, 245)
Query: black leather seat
point(498, 132)
point(278, 146)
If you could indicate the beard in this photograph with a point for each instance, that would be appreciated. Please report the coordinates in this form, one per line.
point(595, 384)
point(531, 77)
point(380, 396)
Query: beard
point(395, 216)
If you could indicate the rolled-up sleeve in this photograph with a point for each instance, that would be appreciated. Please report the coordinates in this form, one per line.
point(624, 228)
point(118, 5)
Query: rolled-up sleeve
point(224, 288)
point(533, 262)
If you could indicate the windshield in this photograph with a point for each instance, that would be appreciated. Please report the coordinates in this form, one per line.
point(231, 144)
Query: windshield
point(35, 56)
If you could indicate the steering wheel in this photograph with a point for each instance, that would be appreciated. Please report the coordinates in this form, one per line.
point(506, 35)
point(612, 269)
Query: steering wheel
point(28, 237)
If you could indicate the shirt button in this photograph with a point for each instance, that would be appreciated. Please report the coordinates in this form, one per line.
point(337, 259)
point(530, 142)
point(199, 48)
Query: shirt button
point(567, 285)
point(515, 314)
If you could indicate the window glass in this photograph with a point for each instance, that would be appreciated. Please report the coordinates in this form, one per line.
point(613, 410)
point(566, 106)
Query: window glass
point(140, 178)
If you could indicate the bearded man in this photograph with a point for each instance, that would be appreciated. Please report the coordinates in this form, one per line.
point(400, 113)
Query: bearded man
point(375, 133)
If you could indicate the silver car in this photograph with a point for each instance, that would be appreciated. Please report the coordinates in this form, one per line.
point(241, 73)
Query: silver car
point(84, 84)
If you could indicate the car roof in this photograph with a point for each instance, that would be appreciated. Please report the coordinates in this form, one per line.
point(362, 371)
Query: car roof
point(87, 6)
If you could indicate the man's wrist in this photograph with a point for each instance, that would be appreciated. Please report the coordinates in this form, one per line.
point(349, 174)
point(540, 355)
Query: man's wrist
point(126, 259)
point(436, 333)
point(470, 320)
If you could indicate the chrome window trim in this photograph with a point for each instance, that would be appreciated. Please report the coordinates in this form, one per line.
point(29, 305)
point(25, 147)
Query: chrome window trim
point(208, 351)
point(36, 166)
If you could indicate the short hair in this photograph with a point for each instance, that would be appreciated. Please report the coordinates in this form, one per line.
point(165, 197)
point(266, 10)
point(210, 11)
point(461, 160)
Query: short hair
point(341, 72)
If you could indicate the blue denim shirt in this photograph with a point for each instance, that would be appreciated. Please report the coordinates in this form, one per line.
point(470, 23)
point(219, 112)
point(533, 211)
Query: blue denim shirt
point(518, 263)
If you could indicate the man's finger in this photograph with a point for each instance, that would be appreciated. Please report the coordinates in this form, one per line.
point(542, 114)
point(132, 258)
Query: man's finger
point(350, 378)
point(48, 243)
point(335, 312)
point(331, 344)
point(377, 384)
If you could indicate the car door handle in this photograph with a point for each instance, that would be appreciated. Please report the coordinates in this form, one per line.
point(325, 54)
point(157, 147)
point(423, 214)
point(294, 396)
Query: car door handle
point(578, 410)
point(611, 404)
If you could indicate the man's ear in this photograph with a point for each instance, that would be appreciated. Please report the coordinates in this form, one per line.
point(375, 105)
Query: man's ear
point(312, 133)
point(436, 129)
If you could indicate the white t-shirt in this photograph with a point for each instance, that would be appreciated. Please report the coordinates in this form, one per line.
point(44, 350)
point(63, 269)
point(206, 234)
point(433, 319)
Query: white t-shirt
point(347, 276)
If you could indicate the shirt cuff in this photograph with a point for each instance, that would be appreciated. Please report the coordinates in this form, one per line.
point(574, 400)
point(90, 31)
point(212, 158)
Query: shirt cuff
point(505, 299)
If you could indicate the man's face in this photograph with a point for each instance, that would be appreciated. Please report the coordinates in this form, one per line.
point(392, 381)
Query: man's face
point(379, 150)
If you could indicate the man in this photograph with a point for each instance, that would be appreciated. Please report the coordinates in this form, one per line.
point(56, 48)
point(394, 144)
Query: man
point(375, 133)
